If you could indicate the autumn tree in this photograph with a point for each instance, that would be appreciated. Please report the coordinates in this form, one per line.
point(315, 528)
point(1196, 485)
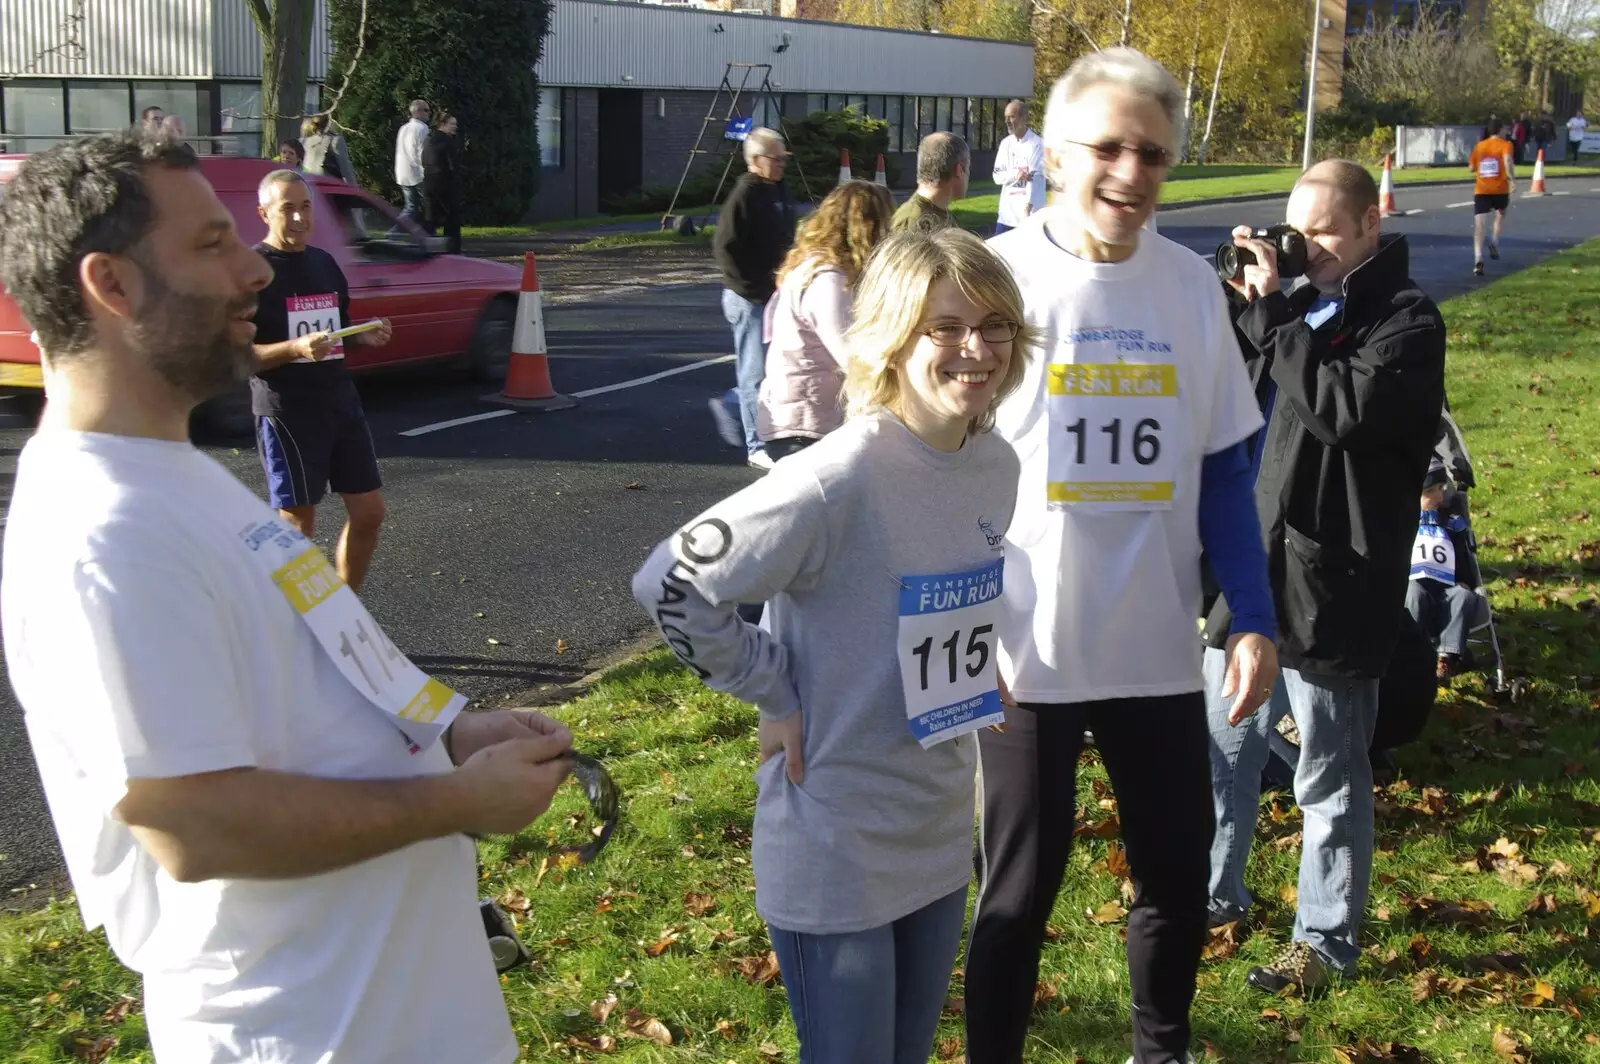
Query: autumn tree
point(1447, 70)
point(285, 27)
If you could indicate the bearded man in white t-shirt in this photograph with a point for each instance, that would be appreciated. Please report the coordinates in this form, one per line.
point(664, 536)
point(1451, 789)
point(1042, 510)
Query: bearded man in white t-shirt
point(1131, 434)
point(281, 853)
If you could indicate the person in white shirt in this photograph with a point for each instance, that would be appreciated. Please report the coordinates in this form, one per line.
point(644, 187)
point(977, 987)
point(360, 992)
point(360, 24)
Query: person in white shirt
point(1577, 125)
point(279, 851)
point(408, 145)
point(1131, 430)
point(1018, 170)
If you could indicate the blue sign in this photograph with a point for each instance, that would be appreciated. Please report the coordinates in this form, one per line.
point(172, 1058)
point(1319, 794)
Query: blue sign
point(739, 127)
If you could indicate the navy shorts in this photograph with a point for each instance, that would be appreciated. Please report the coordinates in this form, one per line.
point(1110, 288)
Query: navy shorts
point(1483, 204)
point(307, 452)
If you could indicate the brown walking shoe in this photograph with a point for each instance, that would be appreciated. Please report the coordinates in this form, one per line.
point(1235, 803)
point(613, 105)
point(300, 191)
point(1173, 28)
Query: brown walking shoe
point(1299, 966)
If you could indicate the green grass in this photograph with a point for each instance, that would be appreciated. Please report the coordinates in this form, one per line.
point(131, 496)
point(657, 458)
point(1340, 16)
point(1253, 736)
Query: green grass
point(1524, 379)
point(629, 240)
point(1188, 183)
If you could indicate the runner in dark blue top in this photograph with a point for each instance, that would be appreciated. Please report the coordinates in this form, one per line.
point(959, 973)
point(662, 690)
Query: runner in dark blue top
point(310, 428)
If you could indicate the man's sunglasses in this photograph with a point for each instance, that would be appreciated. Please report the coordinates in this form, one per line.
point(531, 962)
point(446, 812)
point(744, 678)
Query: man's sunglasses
point(1151, 156)
point(604, 801)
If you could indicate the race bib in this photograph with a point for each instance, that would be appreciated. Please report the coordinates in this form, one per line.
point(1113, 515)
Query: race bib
point(1489, 167)
point(420, 706)
point(1433, 555)
point(314, 314)
point(947, 652)
point(1114, 432)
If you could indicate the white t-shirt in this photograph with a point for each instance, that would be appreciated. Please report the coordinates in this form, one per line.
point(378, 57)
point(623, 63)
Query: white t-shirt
point(1576, 126)
point(144, 642)
point(1103, 603)
point(408, 144)
point(1014, 153)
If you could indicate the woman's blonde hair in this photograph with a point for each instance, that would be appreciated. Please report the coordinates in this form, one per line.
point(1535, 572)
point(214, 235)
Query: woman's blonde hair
point(313, 125)
point(892, 300)
point(843, 230)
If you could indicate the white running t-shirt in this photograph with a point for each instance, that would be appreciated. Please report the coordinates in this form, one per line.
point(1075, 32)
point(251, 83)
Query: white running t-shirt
point(1140, 377)
point(143, 642)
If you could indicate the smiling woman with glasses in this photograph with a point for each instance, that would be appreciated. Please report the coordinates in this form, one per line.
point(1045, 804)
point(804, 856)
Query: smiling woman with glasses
point(880, 553)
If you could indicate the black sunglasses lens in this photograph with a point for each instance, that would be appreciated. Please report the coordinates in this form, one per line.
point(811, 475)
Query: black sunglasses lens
point(604, 801)
point(1108, 150)
point(1151, 155)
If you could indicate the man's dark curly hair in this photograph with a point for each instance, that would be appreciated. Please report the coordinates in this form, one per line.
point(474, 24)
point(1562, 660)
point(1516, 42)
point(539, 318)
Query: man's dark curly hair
point(78, 197)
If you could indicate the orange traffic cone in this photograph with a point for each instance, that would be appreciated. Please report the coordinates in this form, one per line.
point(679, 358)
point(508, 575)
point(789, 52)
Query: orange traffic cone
point(1537, 188)
point(1386, 205)
point(844, 165)
point(881, 176)
point(528, 384)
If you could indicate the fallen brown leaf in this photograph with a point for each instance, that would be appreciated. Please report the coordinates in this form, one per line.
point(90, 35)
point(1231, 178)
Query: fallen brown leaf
point(1382, 913)
point(1506, 848)
point(762, 970)
point(86, 1047)
point(603, 904)
point(1288, 842)
point(699, 904)
point(1290, 894)
point(1469, 912)
point(1423, 985)
point(1108, 828)
point(600, 1011)
point(955, 1006)
point(1541, 905)
point(1510, 1047)
point(1560, 869)
point(1497, 962)
point(599, 1043)
point(1367, 1051)
point(118, 1012)
point(661, 945)
point(1538, 995)
point(949, 1048)
point(1589, 899)
point(1117, 861)
point(1419, 947)
point(727, 1029)
point(1109, 913)
point(562, 648)
point(636, 1024)
point(514, 901)
point(768, 1051)
point(1222, 942)
point(1044, 992)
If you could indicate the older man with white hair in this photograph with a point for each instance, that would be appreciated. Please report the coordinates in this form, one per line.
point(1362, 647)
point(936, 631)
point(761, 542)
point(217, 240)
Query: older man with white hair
point(754, 231)
point(1131, 434)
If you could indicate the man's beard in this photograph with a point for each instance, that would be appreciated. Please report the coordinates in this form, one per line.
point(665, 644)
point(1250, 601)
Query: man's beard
point(188, 340)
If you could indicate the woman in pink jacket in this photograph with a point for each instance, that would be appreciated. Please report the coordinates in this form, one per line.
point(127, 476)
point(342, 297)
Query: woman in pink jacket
point(800, 397)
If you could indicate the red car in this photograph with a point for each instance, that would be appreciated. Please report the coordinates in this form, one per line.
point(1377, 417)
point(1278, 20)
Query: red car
point(444, 307)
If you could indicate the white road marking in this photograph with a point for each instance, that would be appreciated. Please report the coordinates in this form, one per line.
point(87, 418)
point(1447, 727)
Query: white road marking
point(1414, 210)
point(1463, 203)
point(454, 422)
point(1560, 193)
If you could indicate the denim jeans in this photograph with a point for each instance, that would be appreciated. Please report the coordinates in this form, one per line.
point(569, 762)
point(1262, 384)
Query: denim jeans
point(1332, 784)
point(750, 359)
point(1443, 611)
point(412, 204)
point(872, 997)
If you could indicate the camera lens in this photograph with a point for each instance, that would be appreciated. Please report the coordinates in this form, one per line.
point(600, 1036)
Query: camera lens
point(1231, 261)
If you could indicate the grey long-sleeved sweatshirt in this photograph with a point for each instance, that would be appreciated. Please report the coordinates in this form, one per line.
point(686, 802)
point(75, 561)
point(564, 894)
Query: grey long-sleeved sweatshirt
point(880, 827)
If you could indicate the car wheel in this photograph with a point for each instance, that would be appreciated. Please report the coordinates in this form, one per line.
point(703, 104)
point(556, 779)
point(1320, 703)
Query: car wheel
point(226, 417)
point(490, 353)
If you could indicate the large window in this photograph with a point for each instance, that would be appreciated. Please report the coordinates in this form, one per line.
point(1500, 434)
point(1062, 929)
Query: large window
point(926, 112)
point(98, 106)
point(816, 101)
point(942, 114)
point(189, 100)
point(550, 128)
point(958, 118)
point(892, 113)
point(985, 138)
point(33, 107)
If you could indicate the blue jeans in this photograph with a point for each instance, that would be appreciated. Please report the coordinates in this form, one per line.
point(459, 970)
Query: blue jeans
point(872, 997)
point(412, 205)
point(1444, 611)
point(1332, 784)
point(750, 359)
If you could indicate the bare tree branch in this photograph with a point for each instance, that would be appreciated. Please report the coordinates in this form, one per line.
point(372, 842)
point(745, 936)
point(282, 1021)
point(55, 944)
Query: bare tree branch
point(71, 45)
point(262, 15)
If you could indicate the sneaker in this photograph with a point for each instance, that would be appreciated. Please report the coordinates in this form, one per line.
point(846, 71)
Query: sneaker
point(760, 460)
point(1188, 1058)
point(504, 945)
point(1477, 269)
point(1299, 967)
point(729, 427)
point(1494, 251)
point(1449, 665)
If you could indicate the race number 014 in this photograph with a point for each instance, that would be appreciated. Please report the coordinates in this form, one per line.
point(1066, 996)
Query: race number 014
point(1146, 445)
point(975, 645)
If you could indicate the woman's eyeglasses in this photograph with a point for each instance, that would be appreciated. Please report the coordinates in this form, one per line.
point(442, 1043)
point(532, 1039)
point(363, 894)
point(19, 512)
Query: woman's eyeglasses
point(1151, 156)
point(954, 335)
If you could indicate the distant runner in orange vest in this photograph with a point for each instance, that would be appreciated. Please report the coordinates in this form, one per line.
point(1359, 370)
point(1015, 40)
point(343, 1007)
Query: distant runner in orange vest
point(1494, 179)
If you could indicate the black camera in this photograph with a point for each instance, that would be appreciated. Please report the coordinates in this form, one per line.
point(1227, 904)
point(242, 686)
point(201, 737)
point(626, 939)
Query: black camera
point(1285, 240)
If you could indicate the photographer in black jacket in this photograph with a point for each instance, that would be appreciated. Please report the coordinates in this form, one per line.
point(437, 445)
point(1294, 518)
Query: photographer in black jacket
point(1349, 370)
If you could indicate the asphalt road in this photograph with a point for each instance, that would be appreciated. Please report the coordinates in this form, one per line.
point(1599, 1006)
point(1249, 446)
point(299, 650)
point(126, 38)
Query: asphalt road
point(526, 529)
